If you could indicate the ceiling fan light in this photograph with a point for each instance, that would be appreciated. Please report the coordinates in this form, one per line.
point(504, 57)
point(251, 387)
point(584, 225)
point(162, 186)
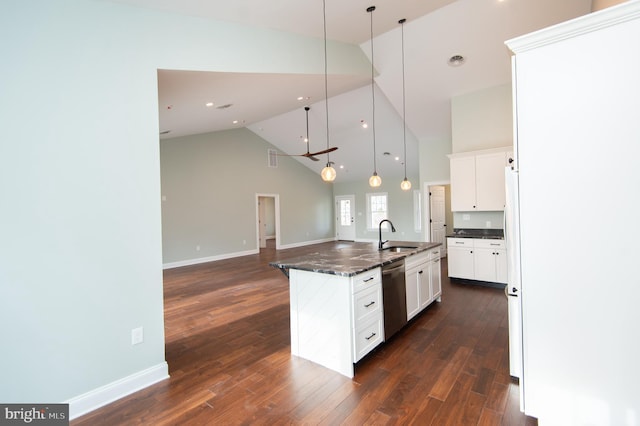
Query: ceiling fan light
point(328, 173)
point(375, 180)
point(405, 185)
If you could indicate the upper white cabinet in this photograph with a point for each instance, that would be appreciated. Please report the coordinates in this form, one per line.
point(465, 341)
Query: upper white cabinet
point(477, 180)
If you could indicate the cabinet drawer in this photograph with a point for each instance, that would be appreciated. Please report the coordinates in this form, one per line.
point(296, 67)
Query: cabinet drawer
point(490, 244)
point(434, 254)
point(365, 280)
point(367, 337)
point(460, 242)
point(366, 304)
point(416, 259)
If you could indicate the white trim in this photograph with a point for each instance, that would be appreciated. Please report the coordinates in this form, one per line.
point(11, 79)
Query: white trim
point(582, 25)
point(305, 243)
point(92, 400)
point(208, 259)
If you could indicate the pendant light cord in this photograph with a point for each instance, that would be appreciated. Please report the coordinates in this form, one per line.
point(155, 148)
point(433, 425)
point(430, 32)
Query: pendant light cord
point(373, 94)
point(326, 85)
point(404, 103)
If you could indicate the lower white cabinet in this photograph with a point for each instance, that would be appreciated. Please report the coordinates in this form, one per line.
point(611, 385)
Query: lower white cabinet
point(477, 259)
point(423, 280)
point(335, 320)
point(460, 258)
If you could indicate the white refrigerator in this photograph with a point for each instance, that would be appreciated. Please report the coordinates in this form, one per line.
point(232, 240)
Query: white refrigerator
point(577, 150)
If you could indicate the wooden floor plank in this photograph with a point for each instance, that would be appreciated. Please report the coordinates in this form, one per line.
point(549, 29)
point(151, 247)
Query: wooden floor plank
point(228, 349)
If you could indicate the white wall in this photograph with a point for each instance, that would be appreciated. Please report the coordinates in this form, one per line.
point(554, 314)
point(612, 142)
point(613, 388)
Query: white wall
point(80, 259)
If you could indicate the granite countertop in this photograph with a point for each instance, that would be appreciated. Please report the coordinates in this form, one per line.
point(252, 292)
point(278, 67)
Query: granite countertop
point(350, 259)
point(491, 234)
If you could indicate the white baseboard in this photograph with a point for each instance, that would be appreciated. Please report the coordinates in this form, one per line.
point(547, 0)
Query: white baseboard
point(208, 259)
point(304, 243)
point(92, 400)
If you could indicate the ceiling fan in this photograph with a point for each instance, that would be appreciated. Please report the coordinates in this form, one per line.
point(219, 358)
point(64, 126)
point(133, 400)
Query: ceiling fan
point(310, 155)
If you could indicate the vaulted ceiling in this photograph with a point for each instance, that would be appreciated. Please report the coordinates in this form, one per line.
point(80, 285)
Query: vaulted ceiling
point(435, 30)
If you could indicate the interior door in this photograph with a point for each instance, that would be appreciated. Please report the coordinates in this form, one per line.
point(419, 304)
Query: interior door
point(262, 222)
point(437, 210)
point(345, 218)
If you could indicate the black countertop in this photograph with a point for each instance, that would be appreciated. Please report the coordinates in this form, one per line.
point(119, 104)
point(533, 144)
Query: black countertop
point(493, 234)
point(350, 259)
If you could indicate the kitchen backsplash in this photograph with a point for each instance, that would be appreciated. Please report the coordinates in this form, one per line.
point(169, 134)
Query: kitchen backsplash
point(488, 220)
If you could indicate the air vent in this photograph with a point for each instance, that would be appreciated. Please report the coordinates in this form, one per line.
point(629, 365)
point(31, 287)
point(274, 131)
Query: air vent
point(272, 158)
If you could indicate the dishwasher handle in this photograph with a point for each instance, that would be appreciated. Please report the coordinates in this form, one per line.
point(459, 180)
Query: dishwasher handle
point(387, 271)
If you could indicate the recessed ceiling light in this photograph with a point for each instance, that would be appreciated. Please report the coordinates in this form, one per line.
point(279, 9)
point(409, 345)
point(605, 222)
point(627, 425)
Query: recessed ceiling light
point(397, 158)
point(303, 98)
point(209, 104)
point(364, 124)
point(342, 166)
point(456, 60)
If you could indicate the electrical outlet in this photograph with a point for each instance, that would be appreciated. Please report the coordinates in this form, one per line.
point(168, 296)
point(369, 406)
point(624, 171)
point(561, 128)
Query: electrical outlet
point(137, 336)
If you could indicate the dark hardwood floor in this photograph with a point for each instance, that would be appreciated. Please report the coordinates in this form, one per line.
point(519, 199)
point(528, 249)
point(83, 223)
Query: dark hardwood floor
point(227, 346)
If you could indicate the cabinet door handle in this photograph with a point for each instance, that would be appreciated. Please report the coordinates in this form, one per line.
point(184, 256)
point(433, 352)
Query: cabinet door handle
point(471, 251)
point(367, 280)
point(420, 272)
point(370, 337)
point(494, 244)
point(437, 260)
point(369, 304)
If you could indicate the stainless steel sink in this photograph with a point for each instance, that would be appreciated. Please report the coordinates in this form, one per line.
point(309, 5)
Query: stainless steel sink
point(399, 249)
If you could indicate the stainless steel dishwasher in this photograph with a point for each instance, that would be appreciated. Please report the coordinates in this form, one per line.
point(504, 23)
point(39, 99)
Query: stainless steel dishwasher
point(394, 298)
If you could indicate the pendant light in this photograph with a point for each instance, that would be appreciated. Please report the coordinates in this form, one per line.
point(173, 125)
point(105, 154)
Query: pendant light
point(328, 174)
point(405, 185)
point(375, 180)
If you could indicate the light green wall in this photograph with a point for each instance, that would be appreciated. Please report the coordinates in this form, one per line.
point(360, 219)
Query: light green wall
point(210, 182)
point(482, 119)
point(400, 208)
point(81, 252)
point(434, 163)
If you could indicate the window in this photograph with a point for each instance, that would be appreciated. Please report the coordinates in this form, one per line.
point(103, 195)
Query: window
point(345, 212)
point(417, 211)
point(377, 210)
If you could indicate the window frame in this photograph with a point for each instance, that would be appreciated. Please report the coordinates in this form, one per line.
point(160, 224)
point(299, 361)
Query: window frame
point(370, 225)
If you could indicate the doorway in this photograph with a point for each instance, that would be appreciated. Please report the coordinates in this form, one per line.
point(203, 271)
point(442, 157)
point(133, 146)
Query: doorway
point(345, 218)
point(268, 220)
point(437, 213)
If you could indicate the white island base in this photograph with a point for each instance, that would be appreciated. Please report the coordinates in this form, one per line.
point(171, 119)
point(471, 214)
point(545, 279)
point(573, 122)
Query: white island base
point(326, 326)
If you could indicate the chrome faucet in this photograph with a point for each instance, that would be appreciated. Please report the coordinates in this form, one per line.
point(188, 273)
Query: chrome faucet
point(380, 242)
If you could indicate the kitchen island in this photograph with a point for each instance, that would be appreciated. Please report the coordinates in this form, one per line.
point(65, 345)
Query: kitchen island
point(336, 297)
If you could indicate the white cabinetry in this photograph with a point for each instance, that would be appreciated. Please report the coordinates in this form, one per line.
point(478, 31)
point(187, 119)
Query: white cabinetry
point(460, 255)
point(335, 320)
point(423, 280)
point(477, 259)
point(490, 261)
point(477, 180)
